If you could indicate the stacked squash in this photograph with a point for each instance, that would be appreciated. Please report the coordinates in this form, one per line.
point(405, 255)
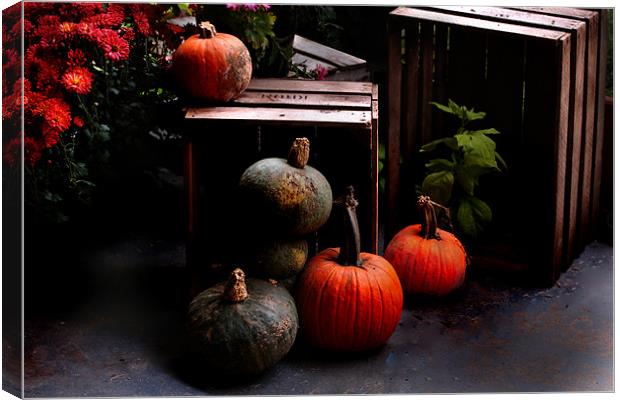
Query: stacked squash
point(289, 200)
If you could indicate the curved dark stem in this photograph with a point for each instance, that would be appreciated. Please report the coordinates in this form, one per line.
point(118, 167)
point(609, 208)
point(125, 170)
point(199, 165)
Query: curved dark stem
point(350, 249)
point(429, 220)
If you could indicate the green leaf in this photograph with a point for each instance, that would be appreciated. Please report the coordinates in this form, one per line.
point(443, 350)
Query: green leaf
point(501, 161)
point(482, 211)
point(466, 180)
point(448, 141)
point(472, 215)
point(478, 149)
point(438, 186)
point(442, 107)
point(471, 115)
point(380, 166)
point(440, 164)
point(456, 109)
point(490, 131)
point(381, 151)
point(466, 220)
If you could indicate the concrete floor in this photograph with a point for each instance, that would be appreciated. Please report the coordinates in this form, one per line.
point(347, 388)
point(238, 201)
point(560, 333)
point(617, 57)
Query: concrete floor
point(120, 333)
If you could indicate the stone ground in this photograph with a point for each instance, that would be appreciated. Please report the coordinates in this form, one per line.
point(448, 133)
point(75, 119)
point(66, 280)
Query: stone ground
point(120, 333)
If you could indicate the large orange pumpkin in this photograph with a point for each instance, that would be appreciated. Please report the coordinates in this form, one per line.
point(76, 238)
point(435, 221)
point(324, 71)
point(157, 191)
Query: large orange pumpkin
point(211, 66)
point(347, 300)
point(428, 260)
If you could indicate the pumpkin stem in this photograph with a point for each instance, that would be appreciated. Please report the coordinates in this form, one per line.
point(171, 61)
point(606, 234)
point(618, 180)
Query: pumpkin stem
point(207, 30)
point(300, 153)
point(236, 291)
point(350, 249)
point(429, 220)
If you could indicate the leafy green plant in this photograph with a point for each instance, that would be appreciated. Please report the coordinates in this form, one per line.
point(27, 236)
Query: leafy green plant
point(452, 181)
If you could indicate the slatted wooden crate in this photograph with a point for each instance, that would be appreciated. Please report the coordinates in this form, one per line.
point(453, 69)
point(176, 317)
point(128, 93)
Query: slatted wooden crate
point(339, 65)
point(339, 118)
point(594, 111)
point(520, 75)
point(581, 113)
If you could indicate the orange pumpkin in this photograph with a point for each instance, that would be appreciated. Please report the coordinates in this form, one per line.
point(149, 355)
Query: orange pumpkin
point(428, 260)
point(347, 300)
point(211, 66)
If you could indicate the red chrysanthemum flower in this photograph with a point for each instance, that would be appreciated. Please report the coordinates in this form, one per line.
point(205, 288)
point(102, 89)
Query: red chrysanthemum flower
point(142, 22)
point(51, 135)
point(87, 30)
point(55, 112)
point(128, 33)
point(114, 47)
point(67, 29)
point(79, 122)
point(76, 58)
point(12, 151)
point(78, 80)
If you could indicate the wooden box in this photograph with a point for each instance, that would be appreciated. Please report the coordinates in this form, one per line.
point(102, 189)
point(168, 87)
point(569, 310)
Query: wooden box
point(339, 118)
point(595, 22)
point(521, 76)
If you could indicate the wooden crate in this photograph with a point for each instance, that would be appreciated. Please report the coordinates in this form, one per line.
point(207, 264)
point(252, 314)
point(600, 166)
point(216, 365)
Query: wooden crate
point(339, 118)
point(594, 111)
point(519, 75)
point(580, 134)
point(339, 65)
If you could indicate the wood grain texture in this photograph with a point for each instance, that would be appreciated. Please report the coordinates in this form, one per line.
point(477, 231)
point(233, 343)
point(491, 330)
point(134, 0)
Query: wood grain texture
point(590, 115)
point(374, 178)
point(474, 23)
point(392, 183)
point(600, 121)
point(325, 53)
point(300, 85)
point(304, 99)
point(265, 115)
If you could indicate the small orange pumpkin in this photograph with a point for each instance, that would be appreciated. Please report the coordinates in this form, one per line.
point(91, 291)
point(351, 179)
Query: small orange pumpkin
point(211, 66)
point(347, 300)
point(428, 260)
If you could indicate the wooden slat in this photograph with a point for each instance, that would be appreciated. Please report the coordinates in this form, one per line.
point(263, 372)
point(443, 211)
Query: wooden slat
point(600, 122)
point(409, 136)
point(547, 89)
point(513, 16)
point(440, 77)
point(292, 99)
point(574, 172)
point(561, 11)
point(392, 164)
point(325, 53)
point(374, 177)
point(300, 85)
point(466, 78)
point(504, 106)
point(590, 111)
point(311, 63)
point(475, 24)
point(426, 82)
point(333, 118)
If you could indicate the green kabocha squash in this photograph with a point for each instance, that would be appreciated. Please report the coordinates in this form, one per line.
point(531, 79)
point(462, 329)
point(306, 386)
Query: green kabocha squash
point(240, 328)
point(287, 196)
point(278, 258)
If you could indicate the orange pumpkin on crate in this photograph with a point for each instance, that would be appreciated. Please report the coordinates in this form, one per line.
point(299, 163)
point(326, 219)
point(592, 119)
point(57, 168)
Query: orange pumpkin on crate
point(428, 260)
point(347, 300)
point(211, 66)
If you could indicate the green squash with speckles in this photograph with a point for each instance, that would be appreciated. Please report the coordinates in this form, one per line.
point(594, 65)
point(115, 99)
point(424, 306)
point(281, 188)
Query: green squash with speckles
point(242, 327)
point(287, 196)
point(277, 258)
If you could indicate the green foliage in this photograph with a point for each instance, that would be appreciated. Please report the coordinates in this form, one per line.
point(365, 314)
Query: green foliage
point(453, 181)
